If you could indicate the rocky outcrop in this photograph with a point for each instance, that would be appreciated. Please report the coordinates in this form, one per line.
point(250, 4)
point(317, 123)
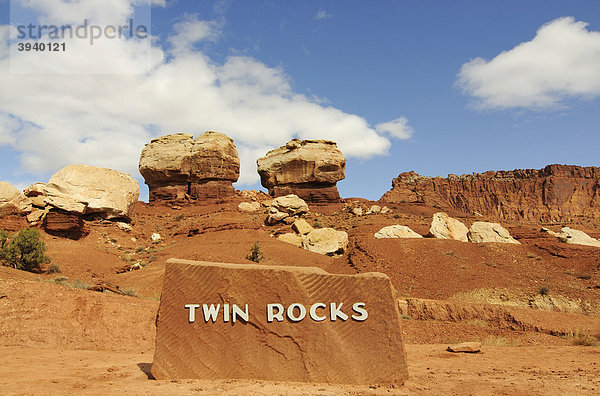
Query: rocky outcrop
point(12, 201)
point(396, 231)
point(555, 193)
point(307, 168)
point(298, 324)
point(285, 208)
point(64, 224)
point(178, 167)
point(445, 227)
point(483, 232)
point(85, 190)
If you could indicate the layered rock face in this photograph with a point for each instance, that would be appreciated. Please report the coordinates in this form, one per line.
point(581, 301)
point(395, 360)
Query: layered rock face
point(246, 321)
point(555, 193)
point(308, 168)
point(178, 167)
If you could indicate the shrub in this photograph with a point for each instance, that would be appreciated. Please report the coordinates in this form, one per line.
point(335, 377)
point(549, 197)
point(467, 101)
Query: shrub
point(25, 251)
point(255, 254)
point(54, 269)
point(544, 290)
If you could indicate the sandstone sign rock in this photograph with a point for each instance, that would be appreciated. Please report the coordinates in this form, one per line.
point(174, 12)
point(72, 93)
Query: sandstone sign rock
point(396, 231)
point(12, 200)
point(445, 227)
point(307, 168)
point(178, 167)
point(482, 231)
point(556, 193)
point(85, 189)
point(247, 321)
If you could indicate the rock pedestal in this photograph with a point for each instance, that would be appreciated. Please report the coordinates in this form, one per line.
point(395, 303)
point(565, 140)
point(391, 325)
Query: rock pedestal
point(309, 169)
point(215, 322)
point(178, 167)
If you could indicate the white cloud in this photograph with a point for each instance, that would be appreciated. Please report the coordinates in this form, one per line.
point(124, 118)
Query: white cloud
point(562, 61)
point(322, 15)
point(397, 128)
point(105, 119)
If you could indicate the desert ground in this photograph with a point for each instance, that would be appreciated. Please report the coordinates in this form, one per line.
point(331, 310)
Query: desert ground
point(534, 307)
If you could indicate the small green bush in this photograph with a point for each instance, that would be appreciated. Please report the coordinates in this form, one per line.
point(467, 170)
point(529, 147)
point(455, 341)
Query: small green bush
point(544, 290)
point(24, 251)
point(54, 269)
point(255, 254)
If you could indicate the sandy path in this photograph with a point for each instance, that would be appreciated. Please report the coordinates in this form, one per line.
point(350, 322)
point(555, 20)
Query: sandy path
point(499, 370)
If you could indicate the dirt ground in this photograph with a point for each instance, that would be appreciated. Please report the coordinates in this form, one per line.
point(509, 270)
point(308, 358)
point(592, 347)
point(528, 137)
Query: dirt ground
point(529, 304)
point(532, 370)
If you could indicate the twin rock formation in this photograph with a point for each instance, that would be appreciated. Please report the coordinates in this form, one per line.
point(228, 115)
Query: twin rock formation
point(178, 167)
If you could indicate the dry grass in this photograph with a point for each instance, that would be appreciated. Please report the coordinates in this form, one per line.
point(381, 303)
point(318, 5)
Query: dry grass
point(580, 338)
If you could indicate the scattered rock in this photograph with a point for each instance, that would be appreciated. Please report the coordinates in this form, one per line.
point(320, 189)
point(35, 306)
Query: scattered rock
point(358, 211)
point(307, 168)
point(374, 209)
point(396, 231)
point(84, 189)
point(465, 347)
point(275, 216)
point(290, 204)
point(483, 232)
point(292, 238)
point(325, 241)
point(445, 227)
point(178, 167)
point(155, 238)
point(249, 207)
point(576, 237)
point(124, 226)
point(37, 215)
point(385, 210)
point(302, 227)
point(12, 201)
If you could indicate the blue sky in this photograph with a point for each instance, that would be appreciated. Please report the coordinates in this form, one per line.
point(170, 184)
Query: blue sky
point(371, 61)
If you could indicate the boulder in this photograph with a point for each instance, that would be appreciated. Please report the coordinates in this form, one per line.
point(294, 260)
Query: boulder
point(342, 329)
point(358, 211)
point(307, 168)
point(302, 227)
point(374, 209)
point(12, 201)
point(292, 238)
point(249, 207)
point(465, 347)
point(396, 231)
point(325, 241)
point(84, 189)
point(290, 204)
point(483, 232)
point(178, 167)
point(576, 237)
point(275, 216)
point(445, 227)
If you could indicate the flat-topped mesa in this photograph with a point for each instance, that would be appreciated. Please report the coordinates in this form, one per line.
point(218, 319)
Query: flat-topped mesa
point(178, 167)
point(309, 169)
point(557, 193)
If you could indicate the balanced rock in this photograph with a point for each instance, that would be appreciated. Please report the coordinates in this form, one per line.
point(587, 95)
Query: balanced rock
point(12, 201)
point(569, 235)
point(445, 227)
point(483, 232)
point(326, 241)
point(300, 324)
point(396, 231)
point(84, 189)
point(307, 168)
point(178, 167)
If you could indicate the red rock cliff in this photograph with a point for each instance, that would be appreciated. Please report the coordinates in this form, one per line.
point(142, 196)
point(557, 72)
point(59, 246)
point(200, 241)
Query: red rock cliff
point(556, 193)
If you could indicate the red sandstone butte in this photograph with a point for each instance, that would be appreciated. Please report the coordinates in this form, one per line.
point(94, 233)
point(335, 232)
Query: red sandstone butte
point(553, 194)
point(351, 351)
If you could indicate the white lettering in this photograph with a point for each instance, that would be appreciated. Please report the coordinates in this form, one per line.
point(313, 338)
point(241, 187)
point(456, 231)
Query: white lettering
point(210, 313)
point(271, 315)
point(359, 309)
point(290, 312)
point(237, 311)
point(336, 312)
point(313, 312)
point(226, 313)
point(192, 308)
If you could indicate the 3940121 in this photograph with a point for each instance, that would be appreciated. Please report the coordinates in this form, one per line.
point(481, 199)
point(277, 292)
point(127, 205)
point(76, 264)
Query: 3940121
point(40, 47)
